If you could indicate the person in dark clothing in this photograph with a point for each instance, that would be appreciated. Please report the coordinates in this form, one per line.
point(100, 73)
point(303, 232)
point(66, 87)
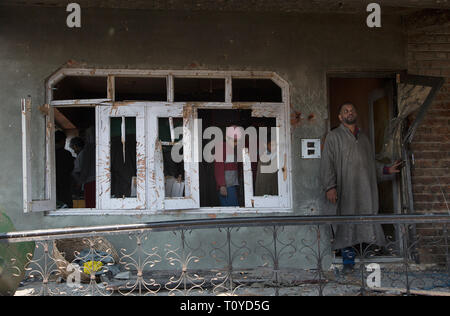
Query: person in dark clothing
point(64, 166)
point(84, 169)
point(77, 144)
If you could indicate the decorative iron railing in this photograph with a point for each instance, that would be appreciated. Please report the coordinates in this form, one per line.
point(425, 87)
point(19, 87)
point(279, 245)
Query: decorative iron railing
point(281, 255)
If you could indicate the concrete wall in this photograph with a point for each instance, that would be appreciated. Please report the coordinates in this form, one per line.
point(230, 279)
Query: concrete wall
point(34, 42)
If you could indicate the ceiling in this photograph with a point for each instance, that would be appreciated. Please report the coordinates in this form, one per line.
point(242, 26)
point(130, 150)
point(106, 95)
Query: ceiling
point(286, 6)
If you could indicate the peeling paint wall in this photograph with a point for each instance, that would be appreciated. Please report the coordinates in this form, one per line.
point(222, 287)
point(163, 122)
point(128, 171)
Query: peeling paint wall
point(35, 42)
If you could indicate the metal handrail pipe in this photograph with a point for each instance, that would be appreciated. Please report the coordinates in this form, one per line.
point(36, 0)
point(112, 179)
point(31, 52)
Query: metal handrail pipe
point(191, 224)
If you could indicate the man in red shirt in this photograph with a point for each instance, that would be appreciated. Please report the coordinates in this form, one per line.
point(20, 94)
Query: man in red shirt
point(226, 168)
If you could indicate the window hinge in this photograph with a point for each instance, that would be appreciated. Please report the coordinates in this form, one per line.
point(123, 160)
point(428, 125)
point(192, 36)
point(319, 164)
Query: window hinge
point(45, 109)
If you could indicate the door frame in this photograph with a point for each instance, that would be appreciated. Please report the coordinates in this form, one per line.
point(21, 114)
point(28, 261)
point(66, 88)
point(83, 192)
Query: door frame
point(395, 76)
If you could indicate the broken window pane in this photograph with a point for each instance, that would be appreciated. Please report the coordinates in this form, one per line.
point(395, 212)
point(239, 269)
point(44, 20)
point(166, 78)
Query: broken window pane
point(199, 90)
point(168, 128)
point(229, 171)
point(123, 157)
point(80, 87)
point(256, 90)
point(140, 89)
point(75, 157)
point(171, 137)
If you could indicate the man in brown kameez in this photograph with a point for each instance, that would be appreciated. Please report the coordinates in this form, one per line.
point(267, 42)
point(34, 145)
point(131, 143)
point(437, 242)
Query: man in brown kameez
point(349, 175)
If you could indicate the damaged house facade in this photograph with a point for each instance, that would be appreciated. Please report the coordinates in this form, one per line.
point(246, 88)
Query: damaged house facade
point(137, 82)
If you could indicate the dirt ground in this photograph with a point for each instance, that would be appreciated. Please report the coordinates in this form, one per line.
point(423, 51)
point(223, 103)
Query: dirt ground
point(258, 282)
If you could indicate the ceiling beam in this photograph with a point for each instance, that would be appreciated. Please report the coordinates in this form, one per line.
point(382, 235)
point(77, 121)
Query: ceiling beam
point(323, 6)
point(428, 19)
point(62, 121)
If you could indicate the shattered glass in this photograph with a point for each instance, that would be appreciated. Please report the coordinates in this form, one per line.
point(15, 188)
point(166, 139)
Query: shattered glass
point(410, 99)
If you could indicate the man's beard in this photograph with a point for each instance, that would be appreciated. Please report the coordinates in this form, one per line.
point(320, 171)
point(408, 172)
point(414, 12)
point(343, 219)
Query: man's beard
point(350, 121)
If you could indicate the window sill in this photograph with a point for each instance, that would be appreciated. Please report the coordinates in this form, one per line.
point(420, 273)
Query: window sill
point(202, 211)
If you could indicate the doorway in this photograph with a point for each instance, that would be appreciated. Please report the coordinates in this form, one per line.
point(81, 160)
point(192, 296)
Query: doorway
point(375, 100)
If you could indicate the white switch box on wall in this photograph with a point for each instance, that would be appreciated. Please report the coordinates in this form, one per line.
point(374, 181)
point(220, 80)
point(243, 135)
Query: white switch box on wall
point(310, 148)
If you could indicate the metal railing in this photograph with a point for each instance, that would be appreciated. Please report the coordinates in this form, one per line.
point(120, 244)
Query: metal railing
point(278, 255)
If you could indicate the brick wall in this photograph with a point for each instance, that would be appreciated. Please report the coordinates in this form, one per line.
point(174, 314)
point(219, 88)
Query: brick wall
point(429, 54)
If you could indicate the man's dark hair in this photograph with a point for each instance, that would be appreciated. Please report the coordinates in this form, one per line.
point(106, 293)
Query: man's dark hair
point(77, 141)
point(60, 136)
point(345, 103)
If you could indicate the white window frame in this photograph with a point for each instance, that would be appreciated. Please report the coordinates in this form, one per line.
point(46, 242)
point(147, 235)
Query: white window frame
point(49, 201)
point(268, 201)
point(103, 170)
point(154, 204)
point(191, 199)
